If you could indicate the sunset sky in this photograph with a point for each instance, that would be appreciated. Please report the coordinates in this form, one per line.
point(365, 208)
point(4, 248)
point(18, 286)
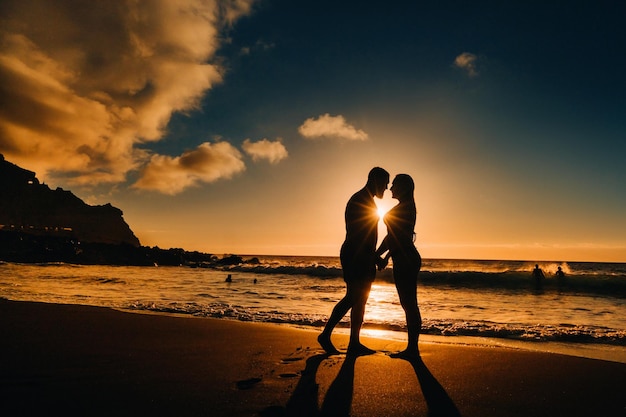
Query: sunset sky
point(244, 127)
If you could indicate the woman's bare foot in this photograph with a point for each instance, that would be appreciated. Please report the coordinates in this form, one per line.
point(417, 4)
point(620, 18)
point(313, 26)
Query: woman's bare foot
point(359, 350)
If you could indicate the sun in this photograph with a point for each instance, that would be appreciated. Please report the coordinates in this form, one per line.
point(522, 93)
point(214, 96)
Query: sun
point(383, 206)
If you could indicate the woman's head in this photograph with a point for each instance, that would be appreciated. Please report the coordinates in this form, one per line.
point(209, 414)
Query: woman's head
point(402, 186)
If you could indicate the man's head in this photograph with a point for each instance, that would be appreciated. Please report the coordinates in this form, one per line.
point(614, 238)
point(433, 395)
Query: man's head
point(377, 181)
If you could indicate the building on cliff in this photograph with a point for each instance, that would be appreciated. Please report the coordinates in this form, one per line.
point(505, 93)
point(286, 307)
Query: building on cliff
point(30, 207)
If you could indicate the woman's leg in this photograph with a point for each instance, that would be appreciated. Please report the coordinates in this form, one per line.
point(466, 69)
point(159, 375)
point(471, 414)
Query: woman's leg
point(408, 300)
point(405, 276)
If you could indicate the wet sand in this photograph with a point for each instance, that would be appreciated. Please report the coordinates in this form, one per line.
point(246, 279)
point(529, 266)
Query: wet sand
point(90, 361)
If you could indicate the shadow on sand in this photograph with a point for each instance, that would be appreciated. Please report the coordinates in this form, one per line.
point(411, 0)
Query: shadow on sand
point(437, 399)
point(338, 400)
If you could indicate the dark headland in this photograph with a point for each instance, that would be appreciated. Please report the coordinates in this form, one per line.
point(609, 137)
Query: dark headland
point(38, 225)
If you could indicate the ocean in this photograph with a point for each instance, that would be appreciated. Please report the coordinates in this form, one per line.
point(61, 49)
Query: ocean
point(461, 301)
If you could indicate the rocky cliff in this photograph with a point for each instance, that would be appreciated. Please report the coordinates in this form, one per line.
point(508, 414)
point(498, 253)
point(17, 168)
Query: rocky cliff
point(31, 208)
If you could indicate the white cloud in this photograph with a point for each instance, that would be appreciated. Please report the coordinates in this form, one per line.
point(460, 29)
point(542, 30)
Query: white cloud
point(274, 152)
point(327, 126)
point(467, 62)
point(207, 163)
point(82, 85)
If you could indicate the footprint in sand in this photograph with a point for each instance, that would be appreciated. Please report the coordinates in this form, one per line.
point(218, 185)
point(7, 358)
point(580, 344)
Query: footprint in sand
point(294, 359)
point(248, 383)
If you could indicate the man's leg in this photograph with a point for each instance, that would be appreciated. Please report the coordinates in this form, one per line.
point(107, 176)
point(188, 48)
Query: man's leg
point(361, 293)
point(340, 310)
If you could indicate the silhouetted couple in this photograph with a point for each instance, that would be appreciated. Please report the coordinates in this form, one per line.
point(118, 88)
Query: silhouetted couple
point(360, 259)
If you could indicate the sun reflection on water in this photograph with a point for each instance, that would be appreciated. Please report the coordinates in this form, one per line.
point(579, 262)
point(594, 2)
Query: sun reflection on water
point(383, 303)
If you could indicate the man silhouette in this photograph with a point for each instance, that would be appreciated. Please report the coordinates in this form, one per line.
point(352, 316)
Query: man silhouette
point(358, 261)
point(539, 276)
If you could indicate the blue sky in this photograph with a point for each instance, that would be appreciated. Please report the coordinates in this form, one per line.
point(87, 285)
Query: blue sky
point(244, 127)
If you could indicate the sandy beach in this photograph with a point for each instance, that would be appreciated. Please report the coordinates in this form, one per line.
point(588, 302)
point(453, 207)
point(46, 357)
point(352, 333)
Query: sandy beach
point(90, 361)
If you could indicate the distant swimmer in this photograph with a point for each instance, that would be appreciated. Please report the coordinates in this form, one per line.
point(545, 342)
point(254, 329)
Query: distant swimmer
point(229, 278)
point(539, 276)
point(559, 273)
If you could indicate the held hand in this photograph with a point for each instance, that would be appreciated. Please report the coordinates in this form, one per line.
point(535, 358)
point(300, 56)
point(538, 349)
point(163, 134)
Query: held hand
point(381, 263)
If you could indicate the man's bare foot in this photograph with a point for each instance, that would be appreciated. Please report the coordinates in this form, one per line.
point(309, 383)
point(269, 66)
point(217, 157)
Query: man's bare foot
point(359, 350)
point(326, 344)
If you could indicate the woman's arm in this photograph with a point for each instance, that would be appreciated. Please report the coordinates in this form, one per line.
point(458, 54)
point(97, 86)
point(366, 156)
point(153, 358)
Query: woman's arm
point(384, 247)
point(381, 263)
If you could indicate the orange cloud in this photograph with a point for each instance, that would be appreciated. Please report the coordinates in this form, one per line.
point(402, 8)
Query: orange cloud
point(327, 126)
point(83, 84)
point(274, 152)
point(467, 62)
point(207, 163)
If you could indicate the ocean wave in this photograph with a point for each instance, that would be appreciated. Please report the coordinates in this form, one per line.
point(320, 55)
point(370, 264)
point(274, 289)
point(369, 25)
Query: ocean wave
point(514, 275)
point(613, 285)
point(319, 271)
point(536, 333)
point(462, 298)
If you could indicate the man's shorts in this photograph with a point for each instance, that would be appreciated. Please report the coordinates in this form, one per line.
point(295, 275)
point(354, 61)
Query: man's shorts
point(358, 269)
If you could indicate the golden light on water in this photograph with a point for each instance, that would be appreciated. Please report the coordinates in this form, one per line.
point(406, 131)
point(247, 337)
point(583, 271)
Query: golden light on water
point(383, 304)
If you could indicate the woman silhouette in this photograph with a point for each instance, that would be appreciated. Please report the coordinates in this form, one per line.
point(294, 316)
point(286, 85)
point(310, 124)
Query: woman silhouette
point(398, 244)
